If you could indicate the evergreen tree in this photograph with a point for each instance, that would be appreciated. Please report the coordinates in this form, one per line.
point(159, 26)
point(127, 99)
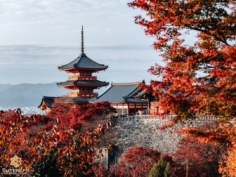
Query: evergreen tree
point(161, 169)
point(153, 172)
point(168, 172)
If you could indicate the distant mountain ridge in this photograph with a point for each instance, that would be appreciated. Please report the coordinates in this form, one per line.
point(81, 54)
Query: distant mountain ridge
point(29, 95)
point(4, 86)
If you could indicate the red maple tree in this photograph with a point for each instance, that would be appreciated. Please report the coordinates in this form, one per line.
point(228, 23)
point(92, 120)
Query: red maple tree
point(199, 76)
point(61, 143)
point(198, 158)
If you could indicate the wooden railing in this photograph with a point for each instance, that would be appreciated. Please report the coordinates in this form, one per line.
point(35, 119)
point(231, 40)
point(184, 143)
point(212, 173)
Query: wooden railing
point(74, 78)
point(83, 94)
point(88, 78)
point(72, 94)
point(88, 94)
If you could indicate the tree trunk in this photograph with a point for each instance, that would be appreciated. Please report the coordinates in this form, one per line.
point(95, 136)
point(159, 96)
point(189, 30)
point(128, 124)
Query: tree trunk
point(187, 168)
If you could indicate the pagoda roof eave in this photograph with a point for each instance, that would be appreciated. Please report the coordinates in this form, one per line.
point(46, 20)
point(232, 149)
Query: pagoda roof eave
point(65, 69)
point(83, 83)
point(93, 69)
point(65, 84)
point(80, 100)
point(75, 69)
point(83, 62)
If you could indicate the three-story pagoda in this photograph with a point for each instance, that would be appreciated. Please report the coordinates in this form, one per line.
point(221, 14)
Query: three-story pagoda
point(82, 82)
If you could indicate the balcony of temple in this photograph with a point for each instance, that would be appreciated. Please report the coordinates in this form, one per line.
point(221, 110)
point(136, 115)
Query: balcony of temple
point(83, 94)
point(78, 77)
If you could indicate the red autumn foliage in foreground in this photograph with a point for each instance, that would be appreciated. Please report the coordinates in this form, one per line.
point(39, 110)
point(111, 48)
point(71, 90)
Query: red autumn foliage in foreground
point(61, 143)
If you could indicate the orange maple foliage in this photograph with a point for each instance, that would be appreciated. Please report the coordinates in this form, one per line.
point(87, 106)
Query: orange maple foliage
point(198, 158)
point(228, 162)
point(198, 76)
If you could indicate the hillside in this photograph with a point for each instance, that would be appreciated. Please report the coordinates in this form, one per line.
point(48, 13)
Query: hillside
point(4, 86)
point(27, 95)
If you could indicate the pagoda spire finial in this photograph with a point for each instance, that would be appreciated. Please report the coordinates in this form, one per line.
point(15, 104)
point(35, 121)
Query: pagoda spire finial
point(82, 40)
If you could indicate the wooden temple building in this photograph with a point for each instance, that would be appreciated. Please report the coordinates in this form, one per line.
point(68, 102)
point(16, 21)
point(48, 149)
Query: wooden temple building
point(122, 96)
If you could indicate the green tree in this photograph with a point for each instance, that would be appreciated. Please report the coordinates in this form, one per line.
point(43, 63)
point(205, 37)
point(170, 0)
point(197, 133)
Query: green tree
point(161, 169)
point(168, 171)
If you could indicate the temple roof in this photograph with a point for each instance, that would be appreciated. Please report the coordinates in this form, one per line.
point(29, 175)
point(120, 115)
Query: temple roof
point(73, 100)
point(83, 83)
point(134, 100)
point(80, 100)
point(47, 100)
point(120, 92)
point(83, 62)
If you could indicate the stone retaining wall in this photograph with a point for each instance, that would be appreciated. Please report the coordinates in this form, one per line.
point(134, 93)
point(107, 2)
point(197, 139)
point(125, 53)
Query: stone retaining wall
point(143, 131)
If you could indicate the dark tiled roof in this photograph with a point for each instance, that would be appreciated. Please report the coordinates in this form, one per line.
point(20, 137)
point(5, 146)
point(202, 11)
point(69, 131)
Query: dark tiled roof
point(118, 92)
point(66, 84)
point(140, 94)
point(81, 100)
point(92, 83)
point(66, 100)
point(134, 100)
point(83, 62)
point(73, 100)
point(48, 101)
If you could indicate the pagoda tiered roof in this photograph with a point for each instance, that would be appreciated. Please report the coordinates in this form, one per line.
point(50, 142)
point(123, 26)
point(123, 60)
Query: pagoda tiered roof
point(82, 62)
point(83, 83)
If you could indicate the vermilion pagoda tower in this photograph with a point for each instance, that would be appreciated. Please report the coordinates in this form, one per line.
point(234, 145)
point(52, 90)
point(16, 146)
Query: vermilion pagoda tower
point(82, 82)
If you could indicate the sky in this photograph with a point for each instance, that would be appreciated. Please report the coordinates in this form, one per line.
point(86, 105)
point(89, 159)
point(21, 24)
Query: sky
point(38, 36)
